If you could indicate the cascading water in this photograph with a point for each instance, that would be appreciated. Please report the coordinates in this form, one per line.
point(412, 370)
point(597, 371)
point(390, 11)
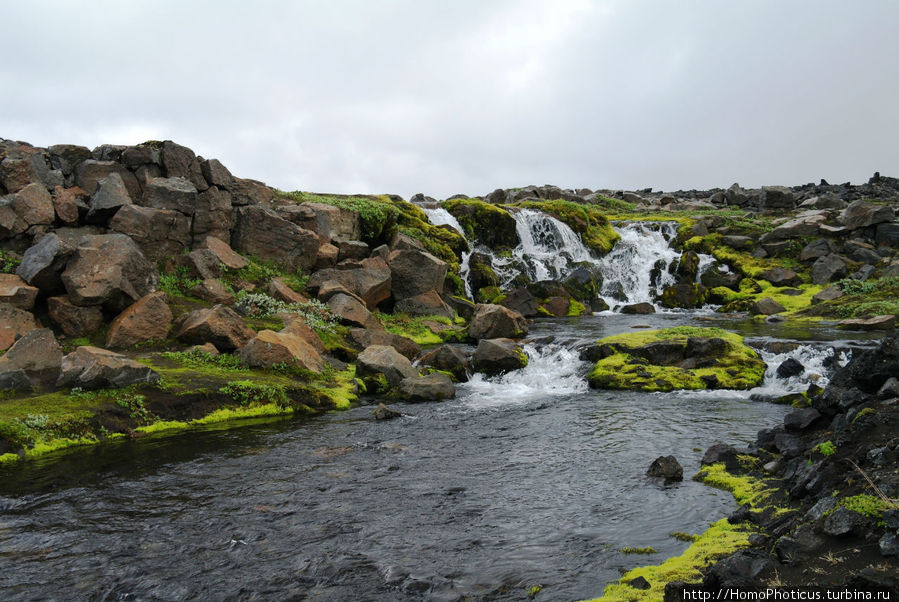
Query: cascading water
point(818, 365)
point(441, 217)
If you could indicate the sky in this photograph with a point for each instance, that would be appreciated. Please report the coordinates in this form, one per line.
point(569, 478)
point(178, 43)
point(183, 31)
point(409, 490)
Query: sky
point(465, 96)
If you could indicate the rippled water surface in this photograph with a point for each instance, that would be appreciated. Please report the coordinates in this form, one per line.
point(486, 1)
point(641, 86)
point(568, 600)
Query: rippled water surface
point(531, 480)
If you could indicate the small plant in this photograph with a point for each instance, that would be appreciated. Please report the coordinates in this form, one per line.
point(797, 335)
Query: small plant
point(201, 359)
point(681, 536)
point(864, 504)
point(826, 448)
point(9, 262)
point(629, 550)
point(246, 392)
point(134, 403)
point(178, 283)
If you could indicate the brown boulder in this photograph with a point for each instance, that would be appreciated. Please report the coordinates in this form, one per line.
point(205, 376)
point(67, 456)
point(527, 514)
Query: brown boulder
point(213, 291)
point(260, 232)
point(886, 322)
point(861, 214)
point(158, 232)
point(147, 320)
point(280, 291)
point(425, 304)
point(108, 270)
point(34, 205)
point(269, 348)
point(16, 292)
point(497, 356)
point(94, 368)
point(449, 358)
point(381, 359)
point(73, 320)
point(326, 257)
point(370, 283)
point(363, 338)
point(219, 325)
point(89, 173)
point(212, 216)
point(180, 161)
point(415, 272)
point(215, 173)
point(766, 307)
point(43, 262)
point(433, 387)
point(296, 325)
point(638, 309)
point(495, 321)
point(249, 192)
point(14, 324)
point(225, 254)
point(66, 203)
point(781, 277)
point(37, 354)
point(351, 312)
point(174, 194)
point(110, 196)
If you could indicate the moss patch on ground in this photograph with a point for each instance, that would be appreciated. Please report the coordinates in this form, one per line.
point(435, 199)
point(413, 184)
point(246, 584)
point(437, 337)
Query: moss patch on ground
point(734, 366)
point(588, 221)
point(424, 330)
point(860, 300)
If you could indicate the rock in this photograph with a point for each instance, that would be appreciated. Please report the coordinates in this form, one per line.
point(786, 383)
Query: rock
point(216, 174)
point(108, 270)
point(249, 192)
point(666, 467)
point(111, 195)
point(218, 325)
point(146, 320)
point(781, 277)
point(14, 323)
point(790, 367)
point(766, 306)
point(95, 368)
point(159, 233)
point(861, 214)
point(715, 277)
point(67, 203)
point(823, 202)
point(201, 263)
point(280, 291)
point(433, 387)
point(260, 232)
point(721, 453)
point(815, 249)
point(862, 252)
point(352, 249)
point(806, 224)
point(224, 253)
point(582, 283)
point(33, 205)
point(42, 263)
point(381, 359)
point(173, 194)
point(13, 379)
point(776, 197)
point(887, 234)
point(889, 390)
point(141, 155)
point(741, 569)
point(351, 312)
point(827, 294)
point(328, 221)
point(740, 243)
point(887, 322)
point(269, 348)
point(65, 157)
point(684, 295)
point(327, 256)
point(180, 161)
point(16, 292)
point(497, 356)
point(801, 419)
point(889, 544)
point(37, 354)
point(522, 301)
point(415, 272)
point(25, 165)
point(638, 309)
point(843, 522)
point(789, 445)
point(640, 583)
point(495, 321)
point(73, 320)
point(864, 272)
point(89, 173)
point(449, 358)
point(793, 549)
point(425, 304)
point(296, 325)
point(212, 216)
point(382, 412)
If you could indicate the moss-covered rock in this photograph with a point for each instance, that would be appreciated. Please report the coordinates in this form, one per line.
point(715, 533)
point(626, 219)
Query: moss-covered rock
point(676, 358)
point(487, 224)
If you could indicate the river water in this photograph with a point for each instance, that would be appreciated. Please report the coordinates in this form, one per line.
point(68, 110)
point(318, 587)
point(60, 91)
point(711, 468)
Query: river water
point(530, 480)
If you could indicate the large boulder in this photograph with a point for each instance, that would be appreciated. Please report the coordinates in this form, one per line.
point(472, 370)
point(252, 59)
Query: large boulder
point(212, 216)
point(43, 263)
point(260, 232)
point(108, 270)
point(382, 359)
point(425, 304)
point(174, 194)
point(269, 348)
point(296, 325)
point(523, 301)
point(37, 354)
point(110, 196)
point(69, 203)
point(415, 272)
point(351, 311)
point(449, 358)
point(158, 232)
point(433, 387)
point(776, 197)
point(497, 356)
point(73, 320)
point(495, 321)
point(870, 369)
point(861, 214)
point(828, 268)
point(766, 307)
point(94, 368)
point(363, 338)
point(90, 172)
point(14, 324)
point(805, 224)
point(224, 253)
point(147, 320)
point(219, 325)
point(216, 174)
point(24, 165)
point(781, 277)
point(684, 295)
point(16, 292)
point(180, 161)
point(371, 282)
point(34, 206)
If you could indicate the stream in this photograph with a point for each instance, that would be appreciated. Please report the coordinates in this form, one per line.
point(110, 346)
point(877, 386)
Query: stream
point(530, 479)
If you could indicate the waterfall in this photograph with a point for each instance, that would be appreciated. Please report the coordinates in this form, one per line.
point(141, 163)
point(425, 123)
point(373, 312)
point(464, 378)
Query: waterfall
point(818, 362)
point(441, 217)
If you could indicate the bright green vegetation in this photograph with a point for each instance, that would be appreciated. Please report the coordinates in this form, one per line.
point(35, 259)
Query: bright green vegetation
point(738, 367)
point(178, 283)
point(9, 262)
point(424, 330)
point(681, 536)
point(759, 289)
point(576, 308)
point(587, 220)
point(490, 225)
point(745, 489)
point(741, 261)
point(629, 550)
point(246, 392)
point(827, 448)
point(862, 413)
point(864, 504)
point(861, 299)
point(224, 362)
point(721, 539)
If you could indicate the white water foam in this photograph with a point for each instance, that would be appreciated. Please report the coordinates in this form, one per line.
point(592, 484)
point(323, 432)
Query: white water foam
point(441, 217)
point(552, 371)
point(817, 361)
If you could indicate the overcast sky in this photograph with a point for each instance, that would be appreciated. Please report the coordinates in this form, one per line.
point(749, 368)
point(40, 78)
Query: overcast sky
point(462, 96)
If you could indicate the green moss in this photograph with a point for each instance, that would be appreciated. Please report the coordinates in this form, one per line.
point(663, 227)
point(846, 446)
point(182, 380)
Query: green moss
point(681, 536)
point(588, 221)
point(629, 550)
point(866, 505)
point(861, 300)
point(721, 539)
point(738, 368)
point(864, 412)
point(745, 489)
point(827, 448)
point(487, 224)
point(420, 329)
point(576, 308)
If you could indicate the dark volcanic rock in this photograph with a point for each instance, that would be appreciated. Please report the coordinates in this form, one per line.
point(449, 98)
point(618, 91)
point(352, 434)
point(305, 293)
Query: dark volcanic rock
point(667, 467)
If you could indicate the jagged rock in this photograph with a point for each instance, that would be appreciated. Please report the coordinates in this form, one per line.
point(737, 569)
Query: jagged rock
point(180, 161)
point(33, 206)
point(137, 156)
point(638, 309)
point(269, 348)
point(260, 232)
point(367, 337)
point(173, 194)
point(640, 583)
point(827, 269)
point(371, 283)
point(806, 224)
point(94, 368)
point(862, 252)
point(216, 174)
point(212, 216)
point(889, 390)
point(224, 253)
point(824, 202)
point(715, 277)
point(790, 367)
point(827, 294)
point(861, 214)
point(212, 291)
point(37, 354)
point(351, 312)
point(740, 243)
point(382, 359)
point(776, 197)
point(158, 232)
point(73, 320)
point(495, 322)
point(721, 453)
point(522, 301)
point(147, 319)
point(25, 165)
point(583, 283)
point(327, 256)
point(843, 522)
point(497, 356)
point(352, 249)
point(801, 419)
point(781, 277)
point(108, 270)
point(382, 412)
point(415, 272)
point(88, 174)
point(65, 157)
point(741, 569)
point(42, 263)
point(296, 325)
point(815, 249)
point(328, 221)
point(14, 323)
point(425, 304)
point(864, 272)
point(886, 322)
point(887, 234)
point(16, 292)
point(432, 387)
point(68, 204)
point(110, 196)
point(278, 290)
point(450, 359)
point(249, 192)
point(889, 544)
point(666, 467)
point(201, 263)
point(789, 445)
point(793, 549)
point(218, 325)
point(13, 379)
